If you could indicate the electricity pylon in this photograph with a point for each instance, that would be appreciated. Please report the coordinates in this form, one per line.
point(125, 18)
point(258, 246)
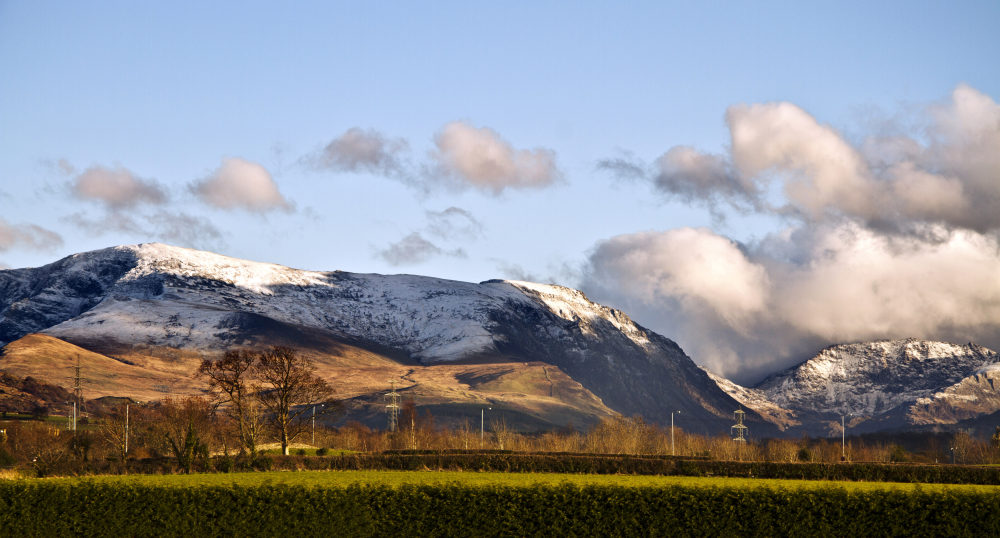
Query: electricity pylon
point(392, 408)
point(739, 431)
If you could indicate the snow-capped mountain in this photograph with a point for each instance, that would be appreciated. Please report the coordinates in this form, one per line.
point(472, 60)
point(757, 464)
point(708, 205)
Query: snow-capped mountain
point(165, 297)
point(880, 385)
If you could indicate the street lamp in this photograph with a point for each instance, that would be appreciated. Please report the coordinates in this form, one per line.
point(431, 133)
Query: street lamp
point(843, 436)
point(313, 443)
point(482, 422)
point(672, 451)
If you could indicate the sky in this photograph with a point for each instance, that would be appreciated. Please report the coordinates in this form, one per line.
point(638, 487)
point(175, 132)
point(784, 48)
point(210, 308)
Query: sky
point(755, 180)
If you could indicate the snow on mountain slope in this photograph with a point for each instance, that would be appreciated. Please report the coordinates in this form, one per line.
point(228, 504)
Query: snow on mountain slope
point(872, 378)
point(178, 297)
point(973, 396)
point(573, 305)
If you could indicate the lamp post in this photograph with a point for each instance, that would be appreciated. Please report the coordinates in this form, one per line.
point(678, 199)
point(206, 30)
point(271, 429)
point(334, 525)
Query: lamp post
point(843, 437)
point(313, 442)
point(672, 451)
point(482, 423)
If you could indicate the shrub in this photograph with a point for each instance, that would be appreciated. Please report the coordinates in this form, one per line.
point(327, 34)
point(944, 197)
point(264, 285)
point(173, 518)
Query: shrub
point(6, 458)
point(262, 463)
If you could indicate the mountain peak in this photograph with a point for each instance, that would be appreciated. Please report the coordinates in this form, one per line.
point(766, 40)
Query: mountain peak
point(869, 378)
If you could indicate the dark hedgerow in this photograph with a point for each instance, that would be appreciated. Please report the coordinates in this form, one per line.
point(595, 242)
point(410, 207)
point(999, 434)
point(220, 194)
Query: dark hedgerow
point(563, 463)
point(88, 508)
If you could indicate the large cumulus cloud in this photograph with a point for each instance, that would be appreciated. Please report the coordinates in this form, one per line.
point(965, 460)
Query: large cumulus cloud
point(887, 237)
point(745, 310)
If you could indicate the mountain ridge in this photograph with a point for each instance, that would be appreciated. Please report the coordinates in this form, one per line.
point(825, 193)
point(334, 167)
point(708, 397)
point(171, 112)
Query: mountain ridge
point(888, 384)
point(170, 299)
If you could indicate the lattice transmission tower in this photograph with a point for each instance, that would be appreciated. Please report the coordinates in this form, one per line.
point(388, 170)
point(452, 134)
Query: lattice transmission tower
point(392, 408)
point(739, 432)
point(78, 381)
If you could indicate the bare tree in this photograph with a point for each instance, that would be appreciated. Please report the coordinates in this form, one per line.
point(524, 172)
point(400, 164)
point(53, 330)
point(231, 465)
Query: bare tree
point(289, 389)
point(184, 427)
point(115, 431)
point(229, 381)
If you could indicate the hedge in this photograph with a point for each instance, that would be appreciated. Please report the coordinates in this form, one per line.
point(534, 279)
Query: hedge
point(559, 463)
point(30, 508)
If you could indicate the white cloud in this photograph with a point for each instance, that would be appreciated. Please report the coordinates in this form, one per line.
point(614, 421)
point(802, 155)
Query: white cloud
point(700, 271)
point(241, 184)
point(117, 187)
point(480, 158)
point(943, 173)
point(821, 172)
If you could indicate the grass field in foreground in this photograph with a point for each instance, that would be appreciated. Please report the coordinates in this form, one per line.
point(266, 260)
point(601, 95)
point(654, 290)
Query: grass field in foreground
point(398, 478)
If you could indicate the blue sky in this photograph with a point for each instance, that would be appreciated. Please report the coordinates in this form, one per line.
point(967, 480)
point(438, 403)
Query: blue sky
point(164, 93)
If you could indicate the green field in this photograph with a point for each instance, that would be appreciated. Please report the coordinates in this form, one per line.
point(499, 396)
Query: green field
point(441, 503)
point(399, 478)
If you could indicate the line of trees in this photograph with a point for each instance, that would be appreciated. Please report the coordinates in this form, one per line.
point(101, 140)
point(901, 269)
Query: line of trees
point(256, 396)
point(194, 434)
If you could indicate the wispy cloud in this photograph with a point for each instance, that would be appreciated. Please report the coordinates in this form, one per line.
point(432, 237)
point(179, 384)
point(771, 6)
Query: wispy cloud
point(177, 228)
point(363, 150)
point(453, 223)
point(414, 249)
point(27, 236)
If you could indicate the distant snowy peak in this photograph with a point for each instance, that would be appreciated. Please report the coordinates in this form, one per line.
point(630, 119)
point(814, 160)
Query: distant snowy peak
point(874, 377)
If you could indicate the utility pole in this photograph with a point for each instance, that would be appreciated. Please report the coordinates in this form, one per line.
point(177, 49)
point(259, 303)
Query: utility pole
point(672, 451)
point(74, 416)
point(313, 442)
point(126, 429)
